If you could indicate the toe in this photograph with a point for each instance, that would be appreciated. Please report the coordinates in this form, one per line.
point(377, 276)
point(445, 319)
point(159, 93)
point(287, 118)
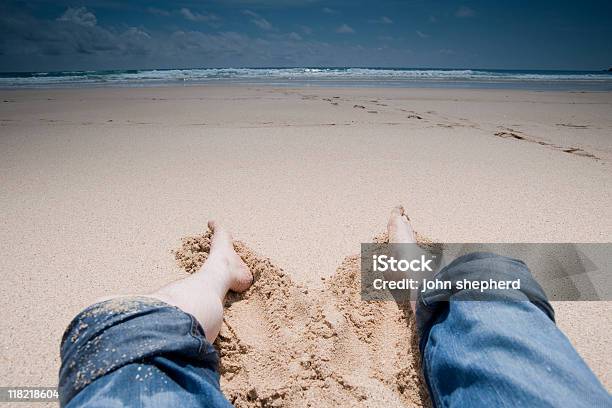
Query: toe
point(398, 215)
point(400, 211)
point(397, 211)
point(398, 227)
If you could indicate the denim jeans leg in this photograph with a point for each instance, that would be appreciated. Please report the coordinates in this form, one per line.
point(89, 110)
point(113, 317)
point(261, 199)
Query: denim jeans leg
point(138, 352)
point(506, 351)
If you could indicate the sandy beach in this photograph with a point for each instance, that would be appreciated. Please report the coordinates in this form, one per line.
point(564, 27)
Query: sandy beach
point(99, 186)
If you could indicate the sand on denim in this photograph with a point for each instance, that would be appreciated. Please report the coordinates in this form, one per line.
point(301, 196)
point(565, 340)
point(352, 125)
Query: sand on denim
point(284, 345)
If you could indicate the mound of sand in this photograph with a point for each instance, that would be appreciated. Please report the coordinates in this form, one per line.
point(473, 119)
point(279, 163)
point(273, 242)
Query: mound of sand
point(282, 345)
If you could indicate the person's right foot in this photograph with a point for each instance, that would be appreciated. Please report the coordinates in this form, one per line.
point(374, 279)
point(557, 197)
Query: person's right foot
point(226, 260)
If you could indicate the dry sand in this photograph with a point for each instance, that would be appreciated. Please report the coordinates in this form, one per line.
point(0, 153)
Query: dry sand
point(99, 185)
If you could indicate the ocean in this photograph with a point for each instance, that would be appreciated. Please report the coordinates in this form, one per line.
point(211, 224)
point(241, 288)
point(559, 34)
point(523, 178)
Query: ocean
point(342, 77)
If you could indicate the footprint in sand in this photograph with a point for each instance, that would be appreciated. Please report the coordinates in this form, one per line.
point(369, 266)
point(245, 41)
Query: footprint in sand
point(411, 114)
point(284, 346)
point(512, 134)
point(573, 126)
point(509, 135)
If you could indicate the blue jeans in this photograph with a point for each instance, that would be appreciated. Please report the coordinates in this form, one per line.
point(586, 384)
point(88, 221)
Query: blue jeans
point(134, 352)
point(505, 351)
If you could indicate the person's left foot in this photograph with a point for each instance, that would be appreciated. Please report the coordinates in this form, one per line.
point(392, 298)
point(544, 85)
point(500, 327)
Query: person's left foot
point(399, 228)
point(400, 232)
point(224, 256)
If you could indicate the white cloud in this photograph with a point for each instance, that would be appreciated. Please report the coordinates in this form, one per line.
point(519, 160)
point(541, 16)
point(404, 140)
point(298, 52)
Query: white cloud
point(267, 3)
point(31, 43)
point(381, 20)
point(327, 10)
point(258, 20)
point(79, 16)
point(305, 29)
point(345, 29)
point(195, 16)
point(422, 34)
point(136, 41)
point(158, 11)
point(464, 11)
point(135, 32)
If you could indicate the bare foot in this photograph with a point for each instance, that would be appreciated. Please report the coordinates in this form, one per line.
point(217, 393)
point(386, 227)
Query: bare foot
point(224, 259)
point(202, 293)
point(400, 232)
point(399, 228)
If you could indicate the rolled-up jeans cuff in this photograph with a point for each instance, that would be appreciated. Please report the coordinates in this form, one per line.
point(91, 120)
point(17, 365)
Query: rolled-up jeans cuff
point(478, 266)
point(109, 335)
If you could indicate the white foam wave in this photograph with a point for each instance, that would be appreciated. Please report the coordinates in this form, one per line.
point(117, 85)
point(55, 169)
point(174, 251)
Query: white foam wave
point(288, 74)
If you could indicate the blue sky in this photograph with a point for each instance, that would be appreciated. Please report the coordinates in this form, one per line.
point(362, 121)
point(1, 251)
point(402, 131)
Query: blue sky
point(46, 35)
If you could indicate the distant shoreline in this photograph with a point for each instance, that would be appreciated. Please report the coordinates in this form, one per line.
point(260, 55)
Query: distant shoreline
point(324, 77)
